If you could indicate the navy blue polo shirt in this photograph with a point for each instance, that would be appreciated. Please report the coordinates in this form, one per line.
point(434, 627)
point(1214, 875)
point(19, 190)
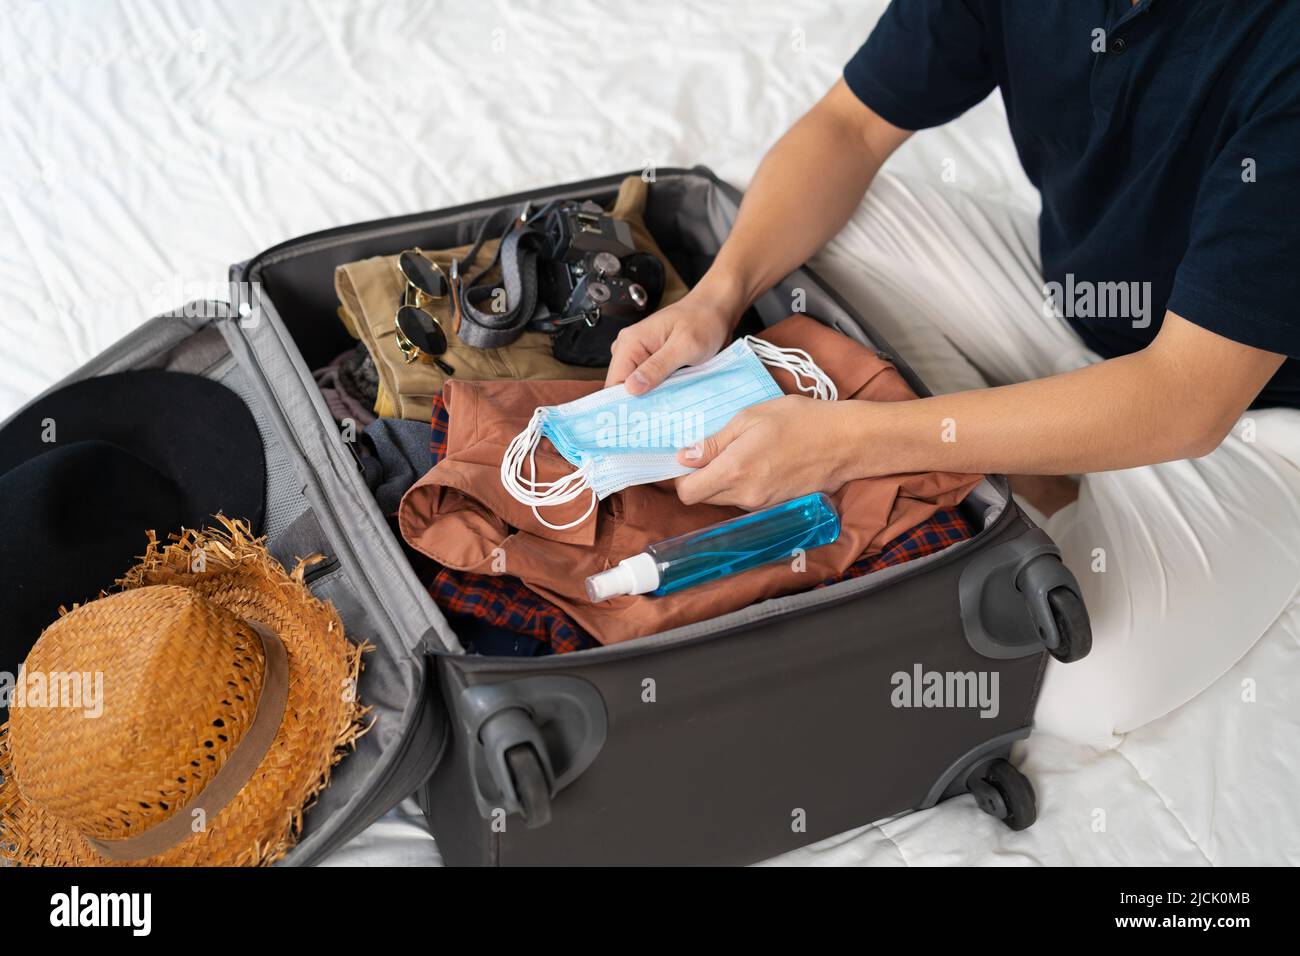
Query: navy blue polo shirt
point(1163, 137)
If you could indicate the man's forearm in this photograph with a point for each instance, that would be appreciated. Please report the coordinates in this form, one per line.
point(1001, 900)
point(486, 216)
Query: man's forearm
point(1102, 417)
point(803, 193)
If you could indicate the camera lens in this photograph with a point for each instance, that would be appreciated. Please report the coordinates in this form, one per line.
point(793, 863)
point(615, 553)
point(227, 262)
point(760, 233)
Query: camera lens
point(638, 294)
point(599, 292)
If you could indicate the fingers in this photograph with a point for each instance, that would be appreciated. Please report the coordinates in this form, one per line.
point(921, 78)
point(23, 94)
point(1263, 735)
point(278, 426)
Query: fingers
point(711, 476)
point(630, 350)
point(723, 482)
point(708, 449)
point(677, 351)
point(702, 485)
point(650, 373)
point(648, 352)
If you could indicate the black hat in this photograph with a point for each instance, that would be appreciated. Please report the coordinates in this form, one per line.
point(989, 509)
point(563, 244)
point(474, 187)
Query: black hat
point(87, 470)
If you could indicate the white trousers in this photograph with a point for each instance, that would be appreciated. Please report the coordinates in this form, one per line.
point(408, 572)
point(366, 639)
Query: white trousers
point(1183, 565)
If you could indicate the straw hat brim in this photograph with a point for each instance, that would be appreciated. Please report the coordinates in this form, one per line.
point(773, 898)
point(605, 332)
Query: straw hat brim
point(322, 716)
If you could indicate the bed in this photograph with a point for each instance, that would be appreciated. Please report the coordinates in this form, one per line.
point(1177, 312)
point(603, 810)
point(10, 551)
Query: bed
point(147, 144)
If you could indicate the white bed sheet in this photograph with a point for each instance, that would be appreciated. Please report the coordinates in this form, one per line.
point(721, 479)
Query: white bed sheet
point(146, 144)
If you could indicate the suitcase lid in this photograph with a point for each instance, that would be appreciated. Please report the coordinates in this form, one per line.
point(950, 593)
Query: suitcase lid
point(303, 500)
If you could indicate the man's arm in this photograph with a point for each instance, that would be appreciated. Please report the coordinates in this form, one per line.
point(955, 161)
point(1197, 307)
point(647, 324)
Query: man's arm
point(1177, 398)
point(803, 193)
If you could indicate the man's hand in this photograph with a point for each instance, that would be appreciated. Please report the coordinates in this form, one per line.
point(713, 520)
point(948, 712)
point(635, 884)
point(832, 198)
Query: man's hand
point(801, 195)
point(688, 332)
point(772, 452)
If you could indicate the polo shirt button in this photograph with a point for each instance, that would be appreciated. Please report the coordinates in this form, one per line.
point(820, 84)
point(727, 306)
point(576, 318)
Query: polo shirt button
point(1118, 45)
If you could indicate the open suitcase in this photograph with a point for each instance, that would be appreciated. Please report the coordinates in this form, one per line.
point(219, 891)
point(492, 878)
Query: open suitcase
point(725, 742)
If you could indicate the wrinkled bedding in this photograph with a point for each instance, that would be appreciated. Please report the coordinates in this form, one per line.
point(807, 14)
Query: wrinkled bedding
point(144, 146)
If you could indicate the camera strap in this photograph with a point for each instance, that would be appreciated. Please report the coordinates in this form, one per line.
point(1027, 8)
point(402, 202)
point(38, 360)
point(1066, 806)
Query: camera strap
point(486, 321)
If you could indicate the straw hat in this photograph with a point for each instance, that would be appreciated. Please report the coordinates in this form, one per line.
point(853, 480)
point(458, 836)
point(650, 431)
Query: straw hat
point(227, 696)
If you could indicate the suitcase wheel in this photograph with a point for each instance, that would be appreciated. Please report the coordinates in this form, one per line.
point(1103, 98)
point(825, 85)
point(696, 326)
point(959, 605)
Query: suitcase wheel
point(1072, 625)
point(530, 784)
point(1004, 792)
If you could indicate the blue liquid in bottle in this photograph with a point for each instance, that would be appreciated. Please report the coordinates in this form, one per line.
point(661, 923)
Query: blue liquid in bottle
point(752, 540)
point(729, 547)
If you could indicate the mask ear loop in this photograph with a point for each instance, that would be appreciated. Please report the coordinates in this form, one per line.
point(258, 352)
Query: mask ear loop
point(799, 364)
point(534, 493)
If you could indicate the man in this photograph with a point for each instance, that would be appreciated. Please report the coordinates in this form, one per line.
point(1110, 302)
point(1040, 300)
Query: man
point(1164, 138)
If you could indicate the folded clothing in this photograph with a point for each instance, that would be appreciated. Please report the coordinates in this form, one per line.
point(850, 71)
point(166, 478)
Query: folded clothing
point(940, 531)
point(394, 453)
point(497, 615)
point(370, 290)
point(460, 515)
point(507, 607)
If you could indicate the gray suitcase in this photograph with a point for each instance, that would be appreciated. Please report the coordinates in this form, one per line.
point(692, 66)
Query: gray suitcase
point(725, 742)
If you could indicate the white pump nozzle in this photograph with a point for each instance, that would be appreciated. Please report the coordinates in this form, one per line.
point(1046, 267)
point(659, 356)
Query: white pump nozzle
point(635, 575)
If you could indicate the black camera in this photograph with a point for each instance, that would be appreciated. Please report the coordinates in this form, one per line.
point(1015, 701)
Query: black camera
point(590, 268)
point(574, 272)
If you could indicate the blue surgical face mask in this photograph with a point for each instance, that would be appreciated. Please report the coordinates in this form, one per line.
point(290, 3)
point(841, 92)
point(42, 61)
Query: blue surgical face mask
point(615, 440)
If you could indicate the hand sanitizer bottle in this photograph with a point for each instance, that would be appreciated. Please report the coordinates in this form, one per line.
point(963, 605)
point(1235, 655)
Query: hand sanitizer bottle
point(762, 537)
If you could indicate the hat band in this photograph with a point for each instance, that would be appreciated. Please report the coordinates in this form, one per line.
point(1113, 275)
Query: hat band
point(234, 773)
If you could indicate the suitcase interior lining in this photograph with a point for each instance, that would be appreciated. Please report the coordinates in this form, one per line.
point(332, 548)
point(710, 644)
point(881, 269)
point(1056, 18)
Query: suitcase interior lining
point(284, 504)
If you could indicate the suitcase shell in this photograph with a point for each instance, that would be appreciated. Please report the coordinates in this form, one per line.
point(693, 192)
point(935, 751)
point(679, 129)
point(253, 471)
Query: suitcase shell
point(725, 742)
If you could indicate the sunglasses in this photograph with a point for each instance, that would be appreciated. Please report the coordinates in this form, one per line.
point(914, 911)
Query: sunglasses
point(419, 335)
